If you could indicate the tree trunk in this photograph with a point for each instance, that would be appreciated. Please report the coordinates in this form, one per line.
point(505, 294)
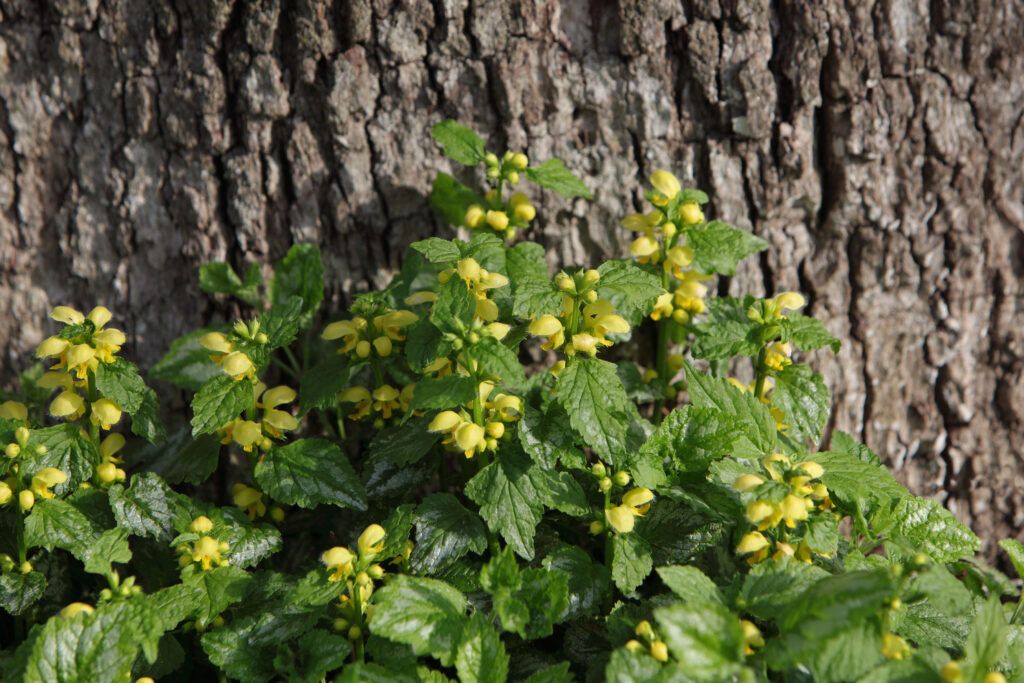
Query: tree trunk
point(877, 145)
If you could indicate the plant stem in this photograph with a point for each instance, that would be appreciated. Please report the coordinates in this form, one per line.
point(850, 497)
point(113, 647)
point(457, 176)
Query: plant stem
point(360, 622)
point(759, 369)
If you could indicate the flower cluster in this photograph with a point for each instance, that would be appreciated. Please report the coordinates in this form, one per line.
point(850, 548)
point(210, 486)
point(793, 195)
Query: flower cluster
point(480, 425)
point(778, 498)
point(479, 282)
point(585, 321)
point(661, 241)
point(78, 351)
point(108, 472)
point(359, 570)
point(502, 217)
point(272, 424)
point(620, 518)
point(363, 336)
point(205, 550)
point(384, 401)
point(251, 500)
point(234, 362)
point(655, 645)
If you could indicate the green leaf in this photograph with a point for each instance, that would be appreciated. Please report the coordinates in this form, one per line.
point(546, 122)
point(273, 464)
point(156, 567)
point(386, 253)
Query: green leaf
point(690, 438)
point(218, 589)
point(807, 333)
point(250, 543)
point(220, 278)
point(528, 602)
point(454, 308)
point(55, 523)
point(553, 175)
point(829, 607)
point(534, 297)
point(691, 584)
point(510, 499)
point(925, 526)
point(425, 614)
point(590, 391)
point(987, 642)
point(718, 247)
point(221, 400)
point(631, 561)
point(121, 383)
point(445, 531)
point(404, 444)
point(18, 592)
point(187, 364)
point(436, 249)
point(546, 436)
point(321, 383)
point(757, 422)
point(63, 446)
point(481, 656)
point(802, 396)
point(451, 199)
point(727, 331)
point(589, 582)
point(281, 323)
point(498, 362)
point(487, 249)
point(148, 508)
point(316, 653)
point(636, 667)
point(556, 673)
point(852, 480)
point(310, 472)
point(442, 392)
point(182, 459)
point(459, 143)
point(99, 647)
point(1015, 551)
point(526, 261)
point(631, 289)
point(705, 638)
point(300, 274)
point(146, 420)
point(773, 584)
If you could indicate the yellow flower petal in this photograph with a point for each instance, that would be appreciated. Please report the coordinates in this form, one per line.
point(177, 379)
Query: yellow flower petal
point(67, 315)
point(666, 183)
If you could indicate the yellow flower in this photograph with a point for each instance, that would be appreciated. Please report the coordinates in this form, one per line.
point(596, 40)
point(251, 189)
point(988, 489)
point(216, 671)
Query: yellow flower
point(551, 327)
point(662, 307)
point(207, 552)
point(26, 499)
point(752, 543)
point(52, 346)
point(638, 500)
point(371, 541)
point(747, 482)
point(794, 510)
point(277, 421)
point(68, 404)
point(777, 355)
point(474, 216)
point(667, 186)
point(339, 561)
point(763, 513)
point(201, 525)
point(45, 478)
point(67, 315)
point(385, 400)
point(249, 499)
point(498, 220)
point(105, 413)
point(417, 298)
point(752, 637)
point(237, 365)
point(471, 438)
point(445, 421)
point(659, 651)
point(245, 433)
point(6, 494)
point(951, 672)
point(994, 677)
point(361, 397)
point(621, 518)
point(216, 341)
point(76, 608)
point(644, 247)
point(691, 213)
point(13, 410)
point(79, 359)
point(678, 257)
point(894, 647)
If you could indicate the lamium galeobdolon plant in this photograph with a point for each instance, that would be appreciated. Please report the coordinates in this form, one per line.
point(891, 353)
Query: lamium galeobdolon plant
point(486, 471)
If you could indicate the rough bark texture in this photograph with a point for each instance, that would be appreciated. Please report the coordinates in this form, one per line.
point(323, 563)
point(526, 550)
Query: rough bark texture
point(877, 145)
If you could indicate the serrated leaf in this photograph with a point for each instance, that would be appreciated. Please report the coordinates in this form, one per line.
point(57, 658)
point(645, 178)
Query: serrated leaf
point(187, 364)
point(728, 331)
point(705, 638)
point(529, 601)
point(436, 249)
point(533, 298)
point(18, 592)
point(690, 438)
point(987, 642)
point(481, 656)
point(316, 653)
point(921, 525)
point(631, 289)
point(221, 400)
point(553, 175)
point(526, 261)
point(757, 422)
point(807, 333)
point(217, 589)
point(690, 584)
point(459, 142)
point(499, 362)
point(300, 274)
point(588, 582)
point(63, 446)
point(442, 392)
point(547, 437)
point(120, 382)
point(631, 561)
point(220, 278)
point(454, 308)
point(773, 584)
point(487, 249)
point(146, 420)
point(282, 322)
point(802, 396)
point(310, 472)
point(404, 444)
point(850, 479)
point(556, 673)
point(445, 531)
point(718, 247)
point(425, 614)
point(1015, 551)
point(592, 395)
point(147, 508)
point(635, 667)
point(321, 383)
point(510, 500)
point(182, 459)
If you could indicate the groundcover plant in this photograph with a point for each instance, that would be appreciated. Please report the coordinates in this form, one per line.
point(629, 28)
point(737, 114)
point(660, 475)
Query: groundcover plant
point(483, 472)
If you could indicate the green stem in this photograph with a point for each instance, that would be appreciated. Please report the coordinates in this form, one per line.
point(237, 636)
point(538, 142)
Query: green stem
point(287, 369)
point(296, 366)
point(1018, 610)
point(761, 373)
point(358, 651)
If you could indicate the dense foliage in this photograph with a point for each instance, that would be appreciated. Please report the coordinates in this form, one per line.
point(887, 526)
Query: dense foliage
point(455, 480)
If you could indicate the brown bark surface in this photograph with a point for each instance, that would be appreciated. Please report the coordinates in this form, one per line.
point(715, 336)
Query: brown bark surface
point(877, 145)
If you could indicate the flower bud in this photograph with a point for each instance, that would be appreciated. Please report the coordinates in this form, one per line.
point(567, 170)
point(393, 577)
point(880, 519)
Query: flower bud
point(513, 177)
point(498, 220)
point(519, 161)
point(621, 478)
point(474, 216)
point(659, 651)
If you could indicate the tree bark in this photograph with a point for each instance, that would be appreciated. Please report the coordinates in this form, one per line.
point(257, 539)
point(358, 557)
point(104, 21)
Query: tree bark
point(877, 145)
